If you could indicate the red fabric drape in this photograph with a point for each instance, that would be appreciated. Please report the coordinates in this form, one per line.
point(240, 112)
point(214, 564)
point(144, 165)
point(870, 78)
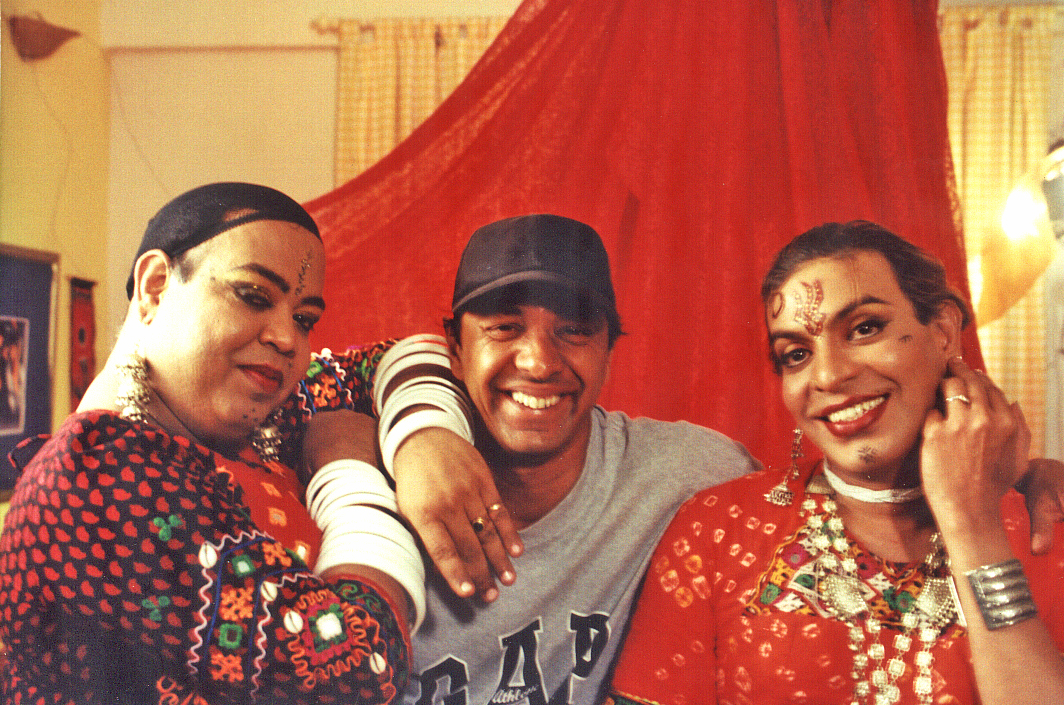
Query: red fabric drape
point(697, 136)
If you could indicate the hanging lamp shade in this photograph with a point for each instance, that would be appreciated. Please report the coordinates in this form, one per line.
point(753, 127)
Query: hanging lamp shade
point(1015, 255)
point(34, 38)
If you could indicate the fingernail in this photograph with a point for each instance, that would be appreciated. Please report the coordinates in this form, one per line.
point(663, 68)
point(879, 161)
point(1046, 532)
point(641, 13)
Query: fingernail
point(465, 589)
point(507, 577)
point(491, 594)
point(516, 549)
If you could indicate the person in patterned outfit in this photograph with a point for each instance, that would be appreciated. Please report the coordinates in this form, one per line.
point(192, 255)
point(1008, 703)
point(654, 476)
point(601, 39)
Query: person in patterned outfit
point(899, 569)
point(150, 555)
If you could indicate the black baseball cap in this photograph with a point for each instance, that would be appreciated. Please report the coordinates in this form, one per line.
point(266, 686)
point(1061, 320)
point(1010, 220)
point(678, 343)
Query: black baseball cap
point(206, 211)
point(540, 248)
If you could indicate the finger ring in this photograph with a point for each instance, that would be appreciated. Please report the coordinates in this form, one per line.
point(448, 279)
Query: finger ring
point(495, 507)
point(961, 398)
point(478, 524)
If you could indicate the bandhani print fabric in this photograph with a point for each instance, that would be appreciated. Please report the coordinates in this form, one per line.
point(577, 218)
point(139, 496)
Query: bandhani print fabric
point(134, 570)
point(274, 494)
point(729, 612)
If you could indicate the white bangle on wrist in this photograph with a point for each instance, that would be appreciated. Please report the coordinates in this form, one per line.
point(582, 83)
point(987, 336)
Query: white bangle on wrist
point(428, 349)
point(416, 421)
point(357, 512)
point(344, 467)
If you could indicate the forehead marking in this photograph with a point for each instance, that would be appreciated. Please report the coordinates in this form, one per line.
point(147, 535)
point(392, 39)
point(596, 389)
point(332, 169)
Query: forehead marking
point(303, 271)
point(776, 305)
point(808, 311)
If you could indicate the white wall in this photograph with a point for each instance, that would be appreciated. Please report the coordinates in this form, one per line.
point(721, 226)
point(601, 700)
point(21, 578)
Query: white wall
point(191, 23)
point(181, 118)
point(213, 90)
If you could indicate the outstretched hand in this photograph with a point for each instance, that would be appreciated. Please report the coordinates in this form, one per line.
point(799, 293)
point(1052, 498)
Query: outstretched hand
point(448, 494)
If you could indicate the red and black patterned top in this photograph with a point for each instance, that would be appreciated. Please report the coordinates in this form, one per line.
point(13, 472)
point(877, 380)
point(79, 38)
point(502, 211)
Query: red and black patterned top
point(333, 381)
point(140, 567)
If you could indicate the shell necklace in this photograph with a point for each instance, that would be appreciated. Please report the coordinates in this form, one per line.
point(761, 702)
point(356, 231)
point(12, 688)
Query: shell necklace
point(842, 595)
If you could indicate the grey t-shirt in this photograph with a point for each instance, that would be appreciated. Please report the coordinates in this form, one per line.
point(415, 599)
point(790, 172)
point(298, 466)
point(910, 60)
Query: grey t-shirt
point(553, 635)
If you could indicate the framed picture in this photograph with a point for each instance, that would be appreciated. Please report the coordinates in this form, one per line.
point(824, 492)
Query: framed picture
point(27, 345)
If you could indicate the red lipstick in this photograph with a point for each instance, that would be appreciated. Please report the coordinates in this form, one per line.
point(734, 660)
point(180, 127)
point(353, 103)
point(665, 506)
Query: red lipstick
point(854, 426)
point(267, 378)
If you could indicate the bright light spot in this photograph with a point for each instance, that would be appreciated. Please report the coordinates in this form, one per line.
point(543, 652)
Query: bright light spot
point(1022, 212)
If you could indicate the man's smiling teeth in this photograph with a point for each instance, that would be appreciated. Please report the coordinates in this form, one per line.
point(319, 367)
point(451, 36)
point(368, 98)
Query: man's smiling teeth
point(534, 402)
point(856, 411)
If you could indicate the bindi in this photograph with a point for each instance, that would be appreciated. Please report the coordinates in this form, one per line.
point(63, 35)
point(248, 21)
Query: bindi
point(808, 313)
point(303, 266)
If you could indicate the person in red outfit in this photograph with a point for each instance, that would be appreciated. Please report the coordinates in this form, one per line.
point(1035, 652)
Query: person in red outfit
point(149, 553)
point(896, 570)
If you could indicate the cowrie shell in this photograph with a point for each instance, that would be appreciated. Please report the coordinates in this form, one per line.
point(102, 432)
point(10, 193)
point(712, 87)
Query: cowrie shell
point(293, 622)
point(208, 556)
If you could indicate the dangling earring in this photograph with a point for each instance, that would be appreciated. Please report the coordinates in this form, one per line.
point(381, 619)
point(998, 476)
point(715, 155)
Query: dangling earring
point(782, 495)
point(266, 439)
point(133, 392)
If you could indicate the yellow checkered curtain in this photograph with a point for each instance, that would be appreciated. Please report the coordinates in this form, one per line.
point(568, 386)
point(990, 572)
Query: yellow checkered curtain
point(392, 75)
point(997, 62)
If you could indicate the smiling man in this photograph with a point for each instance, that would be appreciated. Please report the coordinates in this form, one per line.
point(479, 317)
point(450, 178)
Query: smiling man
point(590, 491)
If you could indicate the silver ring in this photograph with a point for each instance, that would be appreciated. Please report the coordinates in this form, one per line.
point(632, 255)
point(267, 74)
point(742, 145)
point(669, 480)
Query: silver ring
point(961, 398)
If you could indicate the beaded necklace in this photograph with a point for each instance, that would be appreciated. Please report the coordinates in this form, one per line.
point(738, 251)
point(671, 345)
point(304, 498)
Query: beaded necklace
point(840, 590)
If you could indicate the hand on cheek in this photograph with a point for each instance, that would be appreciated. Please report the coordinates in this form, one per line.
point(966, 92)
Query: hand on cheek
point(973, 450)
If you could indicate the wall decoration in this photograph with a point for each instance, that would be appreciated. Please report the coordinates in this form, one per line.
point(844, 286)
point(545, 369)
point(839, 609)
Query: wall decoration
point(34, 38)
point(14, 332)
point(27, 306)
point(82, 339)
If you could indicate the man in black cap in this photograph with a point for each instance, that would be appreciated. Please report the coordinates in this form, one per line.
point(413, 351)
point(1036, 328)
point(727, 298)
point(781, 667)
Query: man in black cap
point(533, 328)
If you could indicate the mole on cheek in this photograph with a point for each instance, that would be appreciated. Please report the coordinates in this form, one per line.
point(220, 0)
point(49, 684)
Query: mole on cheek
point(867, 454)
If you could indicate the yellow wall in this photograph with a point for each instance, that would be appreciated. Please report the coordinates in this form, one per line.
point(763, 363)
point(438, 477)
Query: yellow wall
point(54, 135)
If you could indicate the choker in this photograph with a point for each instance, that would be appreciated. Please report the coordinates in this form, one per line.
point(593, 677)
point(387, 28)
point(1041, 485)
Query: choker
point(864, 494)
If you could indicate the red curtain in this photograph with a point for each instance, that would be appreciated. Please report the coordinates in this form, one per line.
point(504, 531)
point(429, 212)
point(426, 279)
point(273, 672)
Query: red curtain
point(697, 136)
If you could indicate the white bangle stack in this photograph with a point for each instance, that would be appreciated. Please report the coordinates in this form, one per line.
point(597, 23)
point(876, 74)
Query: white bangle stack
point(356, 510)
point(450, 408)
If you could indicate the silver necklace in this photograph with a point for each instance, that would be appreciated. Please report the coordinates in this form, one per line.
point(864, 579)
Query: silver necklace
point(841, 593)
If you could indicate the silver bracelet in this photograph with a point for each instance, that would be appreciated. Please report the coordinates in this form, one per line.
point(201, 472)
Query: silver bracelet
point(1002, 593)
